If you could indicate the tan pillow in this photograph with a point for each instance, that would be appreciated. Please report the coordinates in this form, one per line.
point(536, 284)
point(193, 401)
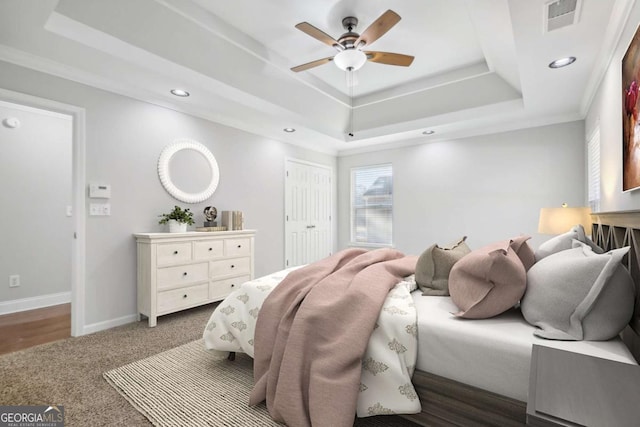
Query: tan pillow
point(434, 265)
point(489, 280)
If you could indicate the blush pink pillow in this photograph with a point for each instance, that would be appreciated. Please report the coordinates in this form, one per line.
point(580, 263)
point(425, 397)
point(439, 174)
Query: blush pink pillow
point(492, 279)
point(524, 251)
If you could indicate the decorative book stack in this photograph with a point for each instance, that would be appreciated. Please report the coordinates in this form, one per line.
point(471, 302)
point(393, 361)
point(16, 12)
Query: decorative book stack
point(233, 220)
point(217, 228)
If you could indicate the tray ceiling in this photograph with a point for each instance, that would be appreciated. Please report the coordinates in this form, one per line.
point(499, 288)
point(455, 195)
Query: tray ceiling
point(480, 65)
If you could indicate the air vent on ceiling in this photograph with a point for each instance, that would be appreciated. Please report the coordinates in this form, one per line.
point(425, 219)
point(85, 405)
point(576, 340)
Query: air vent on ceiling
point(561, 13)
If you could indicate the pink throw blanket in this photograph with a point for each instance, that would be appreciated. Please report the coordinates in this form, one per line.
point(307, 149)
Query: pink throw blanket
point(313, 330)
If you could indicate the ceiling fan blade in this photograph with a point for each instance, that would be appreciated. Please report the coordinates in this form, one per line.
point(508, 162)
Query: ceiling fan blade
point(312, 64)
point(378, 28)
point(317, 34)
point(390, 58)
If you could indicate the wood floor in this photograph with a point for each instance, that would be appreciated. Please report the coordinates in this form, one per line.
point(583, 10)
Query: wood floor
point(28, 328)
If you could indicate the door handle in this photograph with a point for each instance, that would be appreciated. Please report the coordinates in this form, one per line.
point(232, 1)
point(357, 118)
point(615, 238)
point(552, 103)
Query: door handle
point(311, 226)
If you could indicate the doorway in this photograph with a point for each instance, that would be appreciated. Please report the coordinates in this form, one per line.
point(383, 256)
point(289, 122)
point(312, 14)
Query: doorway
point(41, 203)
point(308, 207)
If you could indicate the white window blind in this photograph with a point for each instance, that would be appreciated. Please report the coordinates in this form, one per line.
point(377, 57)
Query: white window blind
point(593, 170)
point(372, 205)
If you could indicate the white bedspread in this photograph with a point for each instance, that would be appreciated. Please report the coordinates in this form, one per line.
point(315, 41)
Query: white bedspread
point(492, 354)
point(388, 363)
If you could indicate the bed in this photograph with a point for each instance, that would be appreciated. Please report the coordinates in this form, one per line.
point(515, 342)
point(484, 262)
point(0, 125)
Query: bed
point(477, 372)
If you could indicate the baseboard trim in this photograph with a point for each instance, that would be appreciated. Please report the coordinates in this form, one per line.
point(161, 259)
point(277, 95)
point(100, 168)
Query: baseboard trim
point(108, 324)
point(33, 303)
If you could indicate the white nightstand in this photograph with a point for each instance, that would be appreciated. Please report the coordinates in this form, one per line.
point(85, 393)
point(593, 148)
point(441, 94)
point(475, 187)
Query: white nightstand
point(567, 388)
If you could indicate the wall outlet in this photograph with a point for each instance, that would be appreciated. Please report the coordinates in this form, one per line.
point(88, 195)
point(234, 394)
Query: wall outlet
point(14, 280)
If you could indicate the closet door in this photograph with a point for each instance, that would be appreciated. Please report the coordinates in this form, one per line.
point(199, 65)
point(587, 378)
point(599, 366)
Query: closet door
point(308, 207)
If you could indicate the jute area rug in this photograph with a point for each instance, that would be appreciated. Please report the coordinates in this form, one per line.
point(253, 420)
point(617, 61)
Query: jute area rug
point(188, 386)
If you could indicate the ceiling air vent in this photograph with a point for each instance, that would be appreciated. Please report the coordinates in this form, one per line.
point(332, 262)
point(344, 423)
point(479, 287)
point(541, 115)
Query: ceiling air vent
point(561, 13)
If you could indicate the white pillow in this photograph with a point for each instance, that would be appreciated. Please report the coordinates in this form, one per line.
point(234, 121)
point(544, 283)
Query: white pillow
point(563, 242)
point(577, 294)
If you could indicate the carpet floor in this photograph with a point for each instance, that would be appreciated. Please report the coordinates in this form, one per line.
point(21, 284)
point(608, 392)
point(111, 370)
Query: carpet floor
point(70, 372)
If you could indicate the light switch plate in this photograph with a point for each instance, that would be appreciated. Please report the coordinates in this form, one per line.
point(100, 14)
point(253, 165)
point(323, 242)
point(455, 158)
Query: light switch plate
point(99, 209)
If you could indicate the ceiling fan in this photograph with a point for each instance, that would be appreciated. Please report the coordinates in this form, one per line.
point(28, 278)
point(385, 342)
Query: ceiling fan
point(350, 56)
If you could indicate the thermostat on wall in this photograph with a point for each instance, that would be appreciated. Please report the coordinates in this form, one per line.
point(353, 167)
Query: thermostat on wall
point(99, 191)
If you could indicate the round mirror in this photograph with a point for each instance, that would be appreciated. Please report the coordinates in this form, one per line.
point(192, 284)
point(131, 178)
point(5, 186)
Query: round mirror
point(188, 171)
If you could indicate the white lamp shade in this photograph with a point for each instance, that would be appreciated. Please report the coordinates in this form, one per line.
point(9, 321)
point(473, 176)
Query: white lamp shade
point(350, 58)
point(560, 220)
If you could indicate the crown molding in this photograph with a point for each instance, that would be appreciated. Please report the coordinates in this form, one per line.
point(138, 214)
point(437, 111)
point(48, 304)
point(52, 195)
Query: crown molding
point(617, 23)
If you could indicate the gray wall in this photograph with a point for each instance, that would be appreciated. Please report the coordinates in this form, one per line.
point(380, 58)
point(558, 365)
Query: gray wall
point(35, 172)
point(606, 112)
point(486, 187)
point(124, 139)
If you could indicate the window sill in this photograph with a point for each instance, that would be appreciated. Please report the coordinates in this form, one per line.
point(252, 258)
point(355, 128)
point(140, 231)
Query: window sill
point(370, 245)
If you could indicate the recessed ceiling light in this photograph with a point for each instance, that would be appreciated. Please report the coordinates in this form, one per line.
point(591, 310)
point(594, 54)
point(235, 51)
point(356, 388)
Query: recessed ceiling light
point(289, 130)
point(429, 132)
point(563, 62)
point(180, 92)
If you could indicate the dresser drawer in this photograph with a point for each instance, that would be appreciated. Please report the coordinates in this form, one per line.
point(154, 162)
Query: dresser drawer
point(230, 266)
point(208, 249)
point(182, 275)
point(176, 299)
point(237, 247)
point(173, 253)
point(219, 289)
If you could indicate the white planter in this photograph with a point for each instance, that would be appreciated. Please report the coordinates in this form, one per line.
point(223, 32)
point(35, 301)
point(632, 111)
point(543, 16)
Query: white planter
point(177, 227)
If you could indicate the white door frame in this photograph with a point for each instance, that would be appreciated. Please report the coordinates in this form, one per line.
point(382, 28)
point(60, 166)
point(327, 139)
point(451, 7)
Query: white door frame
point(78, 179)
point(286, 199)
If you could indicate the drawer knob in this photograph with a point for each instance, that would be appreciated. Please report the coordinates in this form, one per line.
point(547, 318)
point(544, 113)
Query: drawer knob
point(184, 274)
point(184, 296)
point(233, 266)
point(210, 249)
point(239, 246)
point(175, 252)
point(233, 285)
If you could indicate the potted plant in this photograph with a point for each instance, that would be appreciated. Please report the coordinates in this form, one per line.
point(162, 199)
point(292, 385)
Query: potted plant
point(178, 219)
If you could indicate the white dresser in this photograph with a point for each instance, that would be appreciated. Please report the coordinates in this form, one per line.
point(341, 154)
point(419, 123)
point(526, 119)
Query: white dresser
point(177, 271)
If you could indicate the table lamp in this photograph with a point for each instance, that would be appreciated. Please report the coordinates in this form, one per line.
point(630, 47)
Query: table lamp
point(560, 220)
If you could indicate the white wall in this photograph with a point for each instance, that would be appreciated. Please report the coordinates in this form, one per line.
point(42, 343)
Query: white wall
point(487, 187)
point(606, 111)
point(124, 139)
point(35, 172)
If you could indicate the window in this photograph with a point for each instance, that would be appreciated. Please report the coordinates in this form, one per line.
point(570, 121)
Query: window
point(593, 170)
point(371, 205)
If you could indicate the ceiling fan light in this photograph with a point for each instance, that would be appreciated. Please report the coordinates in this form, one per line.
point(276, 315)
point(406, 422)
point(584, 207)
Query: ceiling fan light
point(350, 58)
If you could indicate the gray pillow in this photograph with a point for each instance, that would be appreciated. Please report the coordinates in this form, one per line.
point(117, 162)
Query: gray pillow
point(577, 294)
point(563, 242)
point(434, 265)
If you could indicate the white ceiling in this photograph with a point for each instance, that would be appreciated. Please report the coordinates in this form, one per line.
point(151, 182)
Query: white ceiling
point(480, 65)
